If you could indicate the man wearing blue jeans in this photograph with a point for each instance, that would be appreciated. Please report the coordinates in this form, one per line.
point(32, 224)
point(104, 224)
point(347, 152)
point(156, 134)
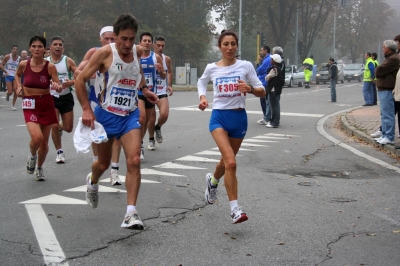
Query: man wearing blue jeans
point(386, 80)
point(261, 73)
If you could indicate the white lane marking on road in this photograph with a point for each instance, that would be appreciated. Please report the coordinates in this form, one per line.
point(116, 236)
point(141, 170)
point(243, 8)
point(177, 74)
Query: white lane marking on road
point(147, 171)
point(21, 125)
point(280, 135)
point(197, 159)
point(102, 189)
point(122, 178)
point(268, 137)
point(258, 140)
point(208, 153)
point(241, 149)
point(47, 240)
point(253, 112)
point(252, 145)
point(170, 165)
point(321, 130)
point(54, 199)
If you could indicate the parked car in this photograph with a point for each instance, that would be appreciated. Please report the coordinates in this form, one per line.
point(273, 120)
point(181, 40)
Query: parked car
point(322, 74)
point(294, 75)
point(354, 72)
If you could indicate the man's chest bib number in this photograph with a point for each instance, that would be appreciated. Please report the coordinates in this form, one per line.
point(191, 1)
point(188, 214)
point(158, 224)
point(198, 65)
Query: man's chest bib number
point(227, 87)
point(149, 80)
point(121, 101)
point(12, 66)
point(28, 104)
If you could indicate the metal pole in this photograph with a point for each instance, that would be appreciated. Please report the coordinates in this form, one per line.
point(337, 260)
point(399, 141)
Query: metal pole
point(240, 30)
point(334, 32)
point(296, 37)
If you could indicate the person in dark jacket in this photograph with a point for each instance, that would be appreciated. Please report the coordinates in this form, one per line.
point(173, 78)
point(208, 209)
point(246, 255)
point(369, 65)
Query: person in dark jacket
point(385, 83)
point(274, 89)
point(333, 76)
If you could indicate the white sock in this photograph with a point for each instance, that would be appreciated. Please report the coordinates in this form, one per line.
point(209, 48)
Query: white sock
point(234, 204)
point(114, 165)
point(130, 208)
point(33, 156)
point(92, 186)
point(95, 158)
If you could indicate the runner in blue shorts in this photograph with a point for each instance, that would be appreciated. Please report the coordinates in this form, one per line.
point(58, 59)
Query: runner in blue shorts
point(232, 80)
point(119, 71)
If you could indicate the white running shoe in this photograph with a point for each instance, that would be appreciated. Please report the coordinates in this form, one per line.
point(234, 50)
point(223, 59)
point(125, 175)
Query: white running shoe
point(376, 134)
point(31, 164)
point(152, 145)
point(262, 122)
point(211, 190)
point(159, 137)
point(39, 174)
point(60, 158)
point(114, 178)
point(92, 195)
point(385, 140)
point(13, 108)
point(238, 215)
point(132, 221)
point(378, 139)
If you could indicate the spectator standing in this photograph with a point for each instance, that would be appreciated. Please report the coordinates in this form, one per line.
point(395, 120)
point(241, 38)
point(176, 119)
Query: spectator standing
point(274, 89)
point(386, 79)
point(308, 65)
point(261, 73)
point(369, 70)
point(333, 77)
point(2, 77)
point(374, 57)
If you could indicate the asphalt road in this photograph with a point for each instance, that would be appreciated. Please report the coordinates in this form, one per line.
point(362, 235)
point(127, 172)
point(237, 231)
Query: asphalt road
point(309, 201)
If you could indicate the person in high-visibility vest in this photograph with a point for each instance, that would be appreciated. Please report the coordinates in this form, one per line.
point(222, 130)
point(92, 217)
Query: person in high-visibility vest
point(308, 65)
point(369, 70)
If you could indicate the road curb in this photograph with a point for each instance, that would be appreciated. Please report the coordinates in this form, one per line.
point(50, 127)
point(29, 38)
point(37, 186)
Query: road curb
point(352, 131)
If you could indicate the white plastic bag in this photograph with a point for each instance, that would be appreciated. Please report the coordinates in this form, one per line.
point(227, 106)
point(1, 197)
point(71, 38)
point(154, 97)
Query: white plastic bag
point(84, 136)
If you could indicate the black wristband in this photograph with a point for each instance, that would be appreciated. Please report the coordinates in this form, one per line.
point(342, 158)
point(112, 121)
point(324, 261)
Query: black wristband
point(143, 87)
point(252, 89)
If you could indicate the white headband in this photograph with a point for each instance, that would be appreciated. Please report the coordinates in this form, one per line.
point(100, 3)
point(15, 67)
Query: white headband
point(106, 29)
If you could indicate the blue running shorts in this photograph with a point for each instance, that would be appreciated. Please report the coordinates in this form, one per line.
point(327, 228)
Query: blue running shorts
point(10, 78)
point(115, 125)
point(232, 121)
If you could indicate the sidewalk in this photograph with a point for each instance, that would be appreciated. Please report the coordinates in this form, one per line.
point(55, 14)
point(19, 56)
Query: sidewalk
point(364, 121)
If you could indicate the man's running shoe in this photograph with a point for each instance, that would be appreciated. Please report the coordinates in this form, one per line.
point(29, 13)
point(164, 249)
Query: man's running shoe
point(114, 178)
point(159, 137)
point(60, 158)
point(7, 97)
point(30, 164)
point(92, 195)
point(238, 215)
point(39, 174)
point(142, 153)
point(152, 145)
point(13, 108)
point(211, 190)
point(132, 221)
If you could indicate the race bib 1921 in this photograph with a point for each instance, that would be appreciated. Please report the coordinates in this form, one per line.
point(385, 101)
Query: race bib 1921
point(122, 101)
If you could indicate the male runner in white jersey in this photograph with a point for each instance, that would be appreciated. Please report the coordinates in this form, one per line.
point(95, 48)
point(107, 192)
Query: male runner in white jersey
point(9, 66)
point(64, 101)
point(152, 66)
point(163, 90)
point(119, 71)
point(106, 37)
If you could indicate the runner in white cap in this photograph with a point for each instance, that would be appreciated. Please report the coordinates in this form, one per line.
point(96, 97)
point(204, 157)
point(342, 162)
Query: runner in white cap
point(106, 37)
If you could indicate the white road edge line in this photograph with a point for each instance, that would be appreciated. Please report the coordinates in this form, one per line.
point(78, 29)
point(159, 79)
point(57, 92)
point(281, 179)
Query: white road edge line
point(48, 243)
point(320, 129)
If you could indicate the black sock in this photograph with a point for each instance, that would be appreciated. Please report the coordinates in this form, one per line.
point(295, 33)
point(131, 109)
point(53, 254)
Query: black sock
point(157, 127)
point(151, 138)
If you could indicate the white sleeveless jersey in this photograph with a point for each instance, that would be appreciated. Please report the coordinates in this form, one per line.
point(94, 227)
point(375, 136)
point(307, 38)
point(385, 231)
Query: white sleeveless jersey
point(162, 84)
point(11, 65)
point(116, 89)
point(63, 74)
